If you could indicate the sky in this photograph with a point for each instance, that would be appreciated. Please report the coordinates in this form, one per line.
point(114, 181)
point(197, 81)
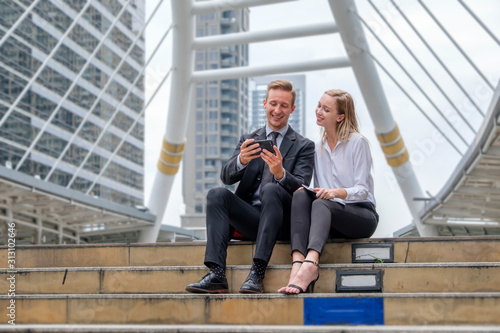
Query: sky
point(433, 158)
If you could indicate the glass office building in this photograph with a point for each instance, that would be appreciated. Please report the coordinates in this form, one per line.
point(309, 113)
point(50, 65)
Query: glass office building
point(219, 117)
point(72, 94)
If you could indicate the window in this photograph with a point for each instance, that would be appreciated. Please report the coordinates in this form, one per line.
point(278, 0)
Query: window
point(212, 138)
point(210, 186)
point(210, 175)
point(198, 208)
point(213, 92)
point(210, 163)
point(213, 56)
point(212, 150)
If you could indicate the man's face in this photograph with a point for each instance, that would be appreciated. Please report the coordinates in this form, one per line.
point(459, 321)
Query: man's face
point(278, 107)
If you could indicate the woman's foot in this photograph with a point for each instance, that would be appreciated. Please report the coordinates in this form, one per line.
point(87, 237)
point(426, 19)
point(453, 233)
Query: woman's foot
point(295, 269)
point(307, 276)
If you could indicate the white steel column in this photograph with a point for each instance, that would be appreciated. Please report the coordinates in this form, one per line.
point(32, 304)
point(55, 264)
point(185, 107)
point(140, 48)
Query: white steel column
point(178, 115)
point(356, 45)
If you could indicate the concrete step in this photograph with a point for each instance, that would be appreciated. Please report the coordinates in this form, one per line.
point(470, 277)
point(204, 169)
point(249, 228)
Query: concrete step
point(37, 328)
point(266, 309)
point(405, 250)
point(395, 278)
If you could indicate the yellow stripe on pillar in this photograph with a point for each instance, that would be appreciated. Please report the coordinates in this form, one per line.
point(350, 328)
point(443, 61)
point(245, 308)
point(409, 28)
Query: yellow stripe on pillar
point(398, 160)
point(393, 147)
point(170, 157)
point(390, 136)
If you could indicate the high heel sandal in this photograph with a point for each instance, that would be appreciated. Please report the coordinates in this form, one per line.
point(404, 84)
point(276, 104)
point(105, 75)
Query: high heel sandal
point(311, 284)
point(293, 262)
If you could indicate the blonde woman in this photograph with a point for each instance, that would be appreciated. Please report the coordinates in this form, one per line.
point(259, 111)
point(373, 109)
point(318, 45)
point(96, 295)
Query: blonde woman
point(342, 203)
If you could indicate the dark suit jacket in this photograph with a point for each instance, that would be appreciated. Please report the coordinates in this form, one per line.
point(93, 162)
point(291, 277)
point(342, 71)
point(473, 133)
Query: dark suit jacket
point(298, 162)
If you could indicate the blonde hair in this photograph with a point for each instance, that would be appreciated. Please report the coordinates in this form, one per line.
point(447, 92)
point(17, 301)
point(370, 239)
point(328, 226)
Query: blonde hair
point(282, 85)
point(345, 106)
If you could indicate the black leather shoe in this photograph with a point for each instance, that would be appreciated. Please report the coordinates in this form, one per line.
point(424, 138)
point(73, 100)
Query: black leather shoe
point(253, 284)
point(209, 284)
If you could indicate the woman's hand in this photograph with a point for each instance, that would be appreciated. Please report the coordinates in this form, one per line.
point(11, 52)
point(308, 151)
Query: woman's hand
point(332, 193)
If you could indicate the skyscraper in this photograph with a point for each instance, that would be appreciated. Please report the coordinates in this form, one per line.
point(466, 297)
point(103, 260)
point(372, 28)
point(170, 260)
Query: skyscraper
point(219, 116)
point(72, 94)
point(258, 87)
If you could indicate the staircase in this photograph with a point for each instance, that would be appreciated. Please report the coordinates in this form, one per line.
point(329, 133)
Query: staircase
point(368, 285)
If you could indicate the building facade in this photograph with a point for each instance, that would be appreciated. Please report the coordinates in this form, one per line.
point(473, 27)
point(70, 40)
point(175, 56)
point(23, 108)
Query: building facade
point(219, 115)
point(258, 88)
point(72, 95)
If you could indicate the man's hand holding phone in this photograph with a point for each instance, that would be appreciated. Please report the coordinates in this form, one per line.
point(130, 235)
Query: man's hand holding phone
point(248, 149)
point(264, 144)
point(251, 149)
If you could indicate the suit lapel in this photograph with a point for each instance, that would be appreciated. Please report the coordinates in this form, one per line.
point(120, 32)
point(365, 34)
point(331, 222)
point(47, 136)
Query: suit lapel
point(287, 142)
point(261, 134)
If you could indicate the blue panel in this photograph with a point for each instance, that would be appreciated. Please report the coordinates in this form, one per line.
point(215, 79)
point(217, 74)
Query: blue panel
point(344, 311)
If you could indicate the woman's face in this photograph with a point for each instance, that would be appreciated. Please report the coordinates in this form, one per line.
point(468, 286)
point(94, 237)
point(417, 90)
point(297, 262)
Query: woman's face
point(327, 114)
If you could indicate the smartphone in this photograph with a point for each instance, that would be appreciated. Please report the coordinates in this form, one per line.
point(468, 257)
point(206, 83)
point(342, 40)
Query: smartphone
point(264, 144)
point(310, 189)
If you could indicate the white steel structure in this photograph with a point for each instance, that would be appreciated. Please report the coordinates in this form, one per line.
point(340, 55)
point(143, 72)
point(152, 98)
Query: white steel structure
point(352, 28)
point(218, 115)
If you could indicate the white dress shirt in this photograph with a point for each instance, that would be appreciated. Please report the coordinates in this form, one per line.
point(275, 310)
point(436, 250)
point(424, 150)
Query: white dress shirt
point(348, 166)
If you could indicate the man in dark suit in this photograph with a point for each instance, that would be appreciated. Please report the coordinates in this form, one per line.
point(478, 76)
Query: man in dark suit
point(260, 208)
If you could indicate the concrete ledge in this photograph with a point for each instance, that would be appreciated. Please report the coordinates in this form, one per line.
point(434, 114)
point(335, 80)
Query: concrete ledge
point(244, 328)
point(406, 250)
point(419, 277)
point(267, 309)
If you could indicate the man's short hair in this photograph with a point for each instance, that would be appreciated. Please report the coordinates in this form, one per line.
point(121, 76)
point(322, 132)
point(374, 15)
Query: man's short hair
point(282, 85)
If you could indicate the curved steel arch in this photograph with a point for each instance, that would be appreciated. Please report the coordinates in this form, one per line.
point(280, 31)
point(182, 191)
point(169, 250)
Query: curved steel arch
point(183, 78)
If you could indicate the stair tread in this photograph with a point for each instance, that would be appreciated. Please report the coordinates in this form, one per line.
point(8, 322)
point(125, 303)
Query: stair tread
point(487, 238)
point(264, 309)
point(242, 328)
point(259, 296)
point(247, 267)
point(416, 250)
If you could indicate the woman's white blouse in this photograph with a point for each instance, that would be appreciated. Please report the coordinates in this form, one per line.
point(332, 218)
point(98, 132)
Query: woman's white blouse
point(348, 166)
